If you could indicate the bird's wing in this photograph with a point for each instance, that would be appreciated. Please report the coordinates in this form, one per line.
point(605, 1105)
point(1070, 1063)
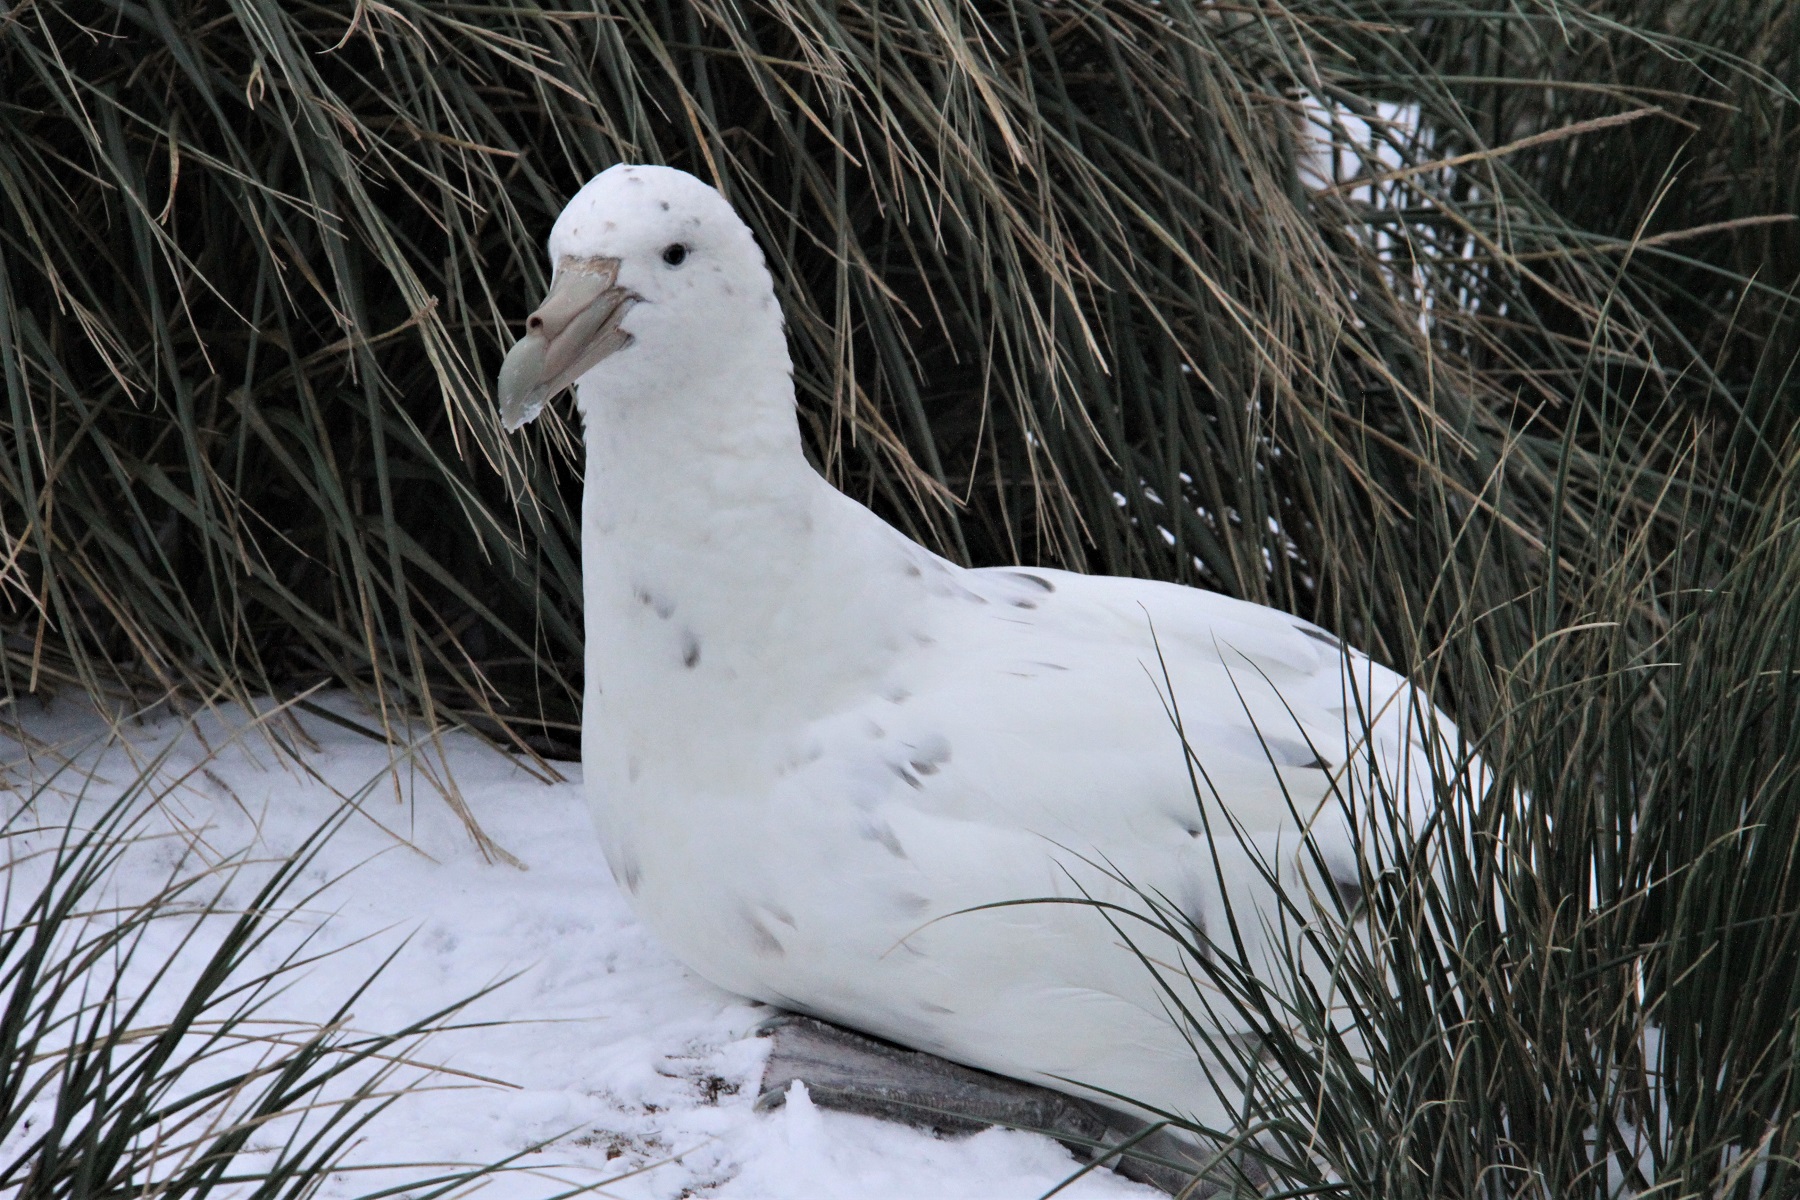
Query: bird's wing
point(1065, 699)
point(1040, 726)
point(1028, 745)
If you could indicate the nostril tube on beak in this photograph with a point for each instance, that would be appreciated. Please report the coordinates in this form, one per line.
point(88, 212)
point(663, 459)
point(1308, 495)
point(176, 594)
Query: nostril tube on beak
point(575, 327)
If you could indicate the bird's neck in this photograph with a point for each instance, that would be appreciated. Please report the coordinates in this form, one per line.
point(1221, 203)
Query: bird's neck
point(705, 479)
point(715, 556)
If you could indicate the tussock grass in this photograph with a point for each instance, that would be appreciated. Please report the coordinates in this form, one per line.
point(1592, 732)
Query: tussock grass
point(1580, 976)
point(258, 261)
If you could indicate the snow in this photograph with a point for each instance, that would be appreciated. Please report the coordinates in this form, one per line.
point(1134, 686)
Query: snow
point(639, 1075)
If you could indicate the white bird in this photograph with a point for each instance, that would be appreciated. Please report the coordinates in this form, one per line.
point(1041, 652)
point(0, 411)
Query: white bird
point(815, 750)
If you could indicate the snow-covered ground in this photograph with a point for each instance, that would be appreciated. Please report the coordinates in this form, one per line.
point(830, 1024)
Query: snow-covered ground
point(642, 1074)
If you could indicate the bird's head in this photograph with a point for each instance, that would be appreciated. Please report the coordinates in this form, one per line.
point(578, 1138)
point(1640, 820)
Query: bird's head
point(655, 281)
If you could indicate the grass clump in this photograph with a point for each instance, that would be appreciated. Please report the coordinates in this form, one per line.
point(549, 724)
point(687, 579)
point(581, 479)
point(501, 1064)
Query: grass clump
point(1577, 976)
point(142, 1049)
point(259, 261)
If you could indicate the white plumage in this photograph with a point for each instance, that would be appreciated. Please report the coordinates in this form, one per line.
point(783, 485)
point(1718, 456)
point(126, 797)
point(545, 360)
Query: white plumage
point(812, 746)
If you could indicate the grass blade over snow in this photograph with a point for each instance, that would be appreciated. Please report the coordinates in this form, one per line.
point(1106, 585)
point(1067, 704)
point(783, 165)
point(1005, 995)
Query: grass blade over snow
point(143, 1049)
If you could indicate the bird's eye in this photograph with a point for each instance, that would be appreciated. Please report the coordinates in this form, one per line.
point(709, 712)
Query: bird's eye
point(675, 254)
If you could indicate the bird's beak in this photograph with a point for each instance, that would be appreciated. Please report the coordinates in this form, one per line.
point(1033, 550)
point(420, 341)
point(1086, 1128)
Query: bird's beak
point(575, 327)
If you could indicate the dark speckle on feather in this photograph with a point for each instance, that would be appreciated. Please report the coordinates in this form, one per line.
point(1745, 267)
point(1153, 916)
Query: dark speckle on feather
point(912, 569)
point(762, 941)
point(1037, 579)
point(911, 903)
point(1291, 752)
point(912, 781)
point(1349, 892)
point(1319, 635)
point(660, 605)
point(882, 832)
point(690, 649)
point(928, 754)
point(939, 1009)
point(1197, 919)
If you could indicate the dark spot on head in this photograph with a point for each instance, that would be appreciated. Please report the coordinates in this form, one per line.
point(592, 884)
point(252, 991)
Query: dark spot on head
point(665, 205)
point(1037, 579)
point(690, 649)
point(1319, 635)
